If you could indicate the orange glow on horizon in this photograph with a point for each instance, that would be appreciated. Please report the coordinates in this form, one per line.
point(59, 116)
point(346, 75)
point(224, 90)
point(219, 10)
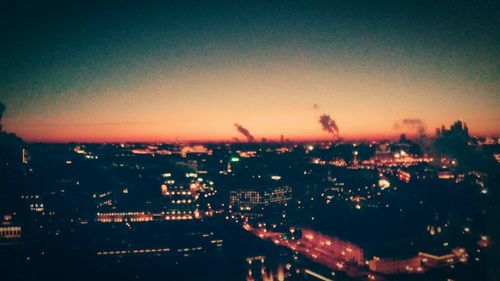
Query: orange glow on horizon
point(279, 98)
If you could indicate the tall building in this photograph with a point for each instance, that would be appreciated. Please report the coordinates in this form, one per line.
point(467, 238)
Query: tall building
point(246, 199)
point(458, 128)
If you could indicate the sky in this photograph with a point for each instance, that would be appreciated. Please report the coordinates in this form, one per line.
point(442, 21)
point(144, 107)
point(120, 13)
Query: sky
point(116, 71)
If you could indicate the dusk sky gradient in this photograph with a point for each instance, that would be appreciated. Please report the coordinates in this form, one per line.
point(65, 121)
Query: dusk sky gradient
point(166, 70)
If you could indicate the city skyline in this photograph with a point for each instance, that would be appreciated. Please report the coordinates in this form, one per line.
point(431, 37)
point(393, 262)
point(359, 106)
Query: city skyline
point(188, 71)
point(249, 140)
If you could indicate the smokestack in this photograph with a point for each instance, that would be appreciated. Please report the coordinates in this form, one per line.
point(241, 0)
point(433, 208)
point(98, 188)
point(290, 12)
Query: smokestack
point(244, 132)
point(329, 125)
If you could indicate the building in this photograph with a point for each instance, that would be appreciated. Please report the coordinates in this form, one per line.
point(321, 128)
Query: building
point(445, 174)
point(404, 175)
point(458, 128)
point(117, 217)
point(432, 261)
point(418, 264)
point(334, 248)
point(394, 266)
point(188, 198)
point(180, 200)
point(278, 195)
point(8, 230)
point(246, 199)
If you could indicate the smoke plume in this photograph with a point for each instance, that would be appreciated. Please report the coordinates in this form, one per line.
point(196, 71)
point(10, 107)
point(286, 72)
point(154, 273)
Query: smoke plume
point(411, 125)
point(329, 125)
point(244, 132)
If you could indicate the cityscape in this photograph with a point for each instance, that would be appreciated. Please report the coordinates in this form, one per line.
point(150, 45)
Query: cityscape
point(249, 141)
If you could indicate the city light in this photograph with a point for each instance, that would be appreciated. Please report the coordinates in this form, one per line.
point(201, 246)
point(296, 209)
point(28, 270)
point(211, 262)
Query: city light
point(247, 140)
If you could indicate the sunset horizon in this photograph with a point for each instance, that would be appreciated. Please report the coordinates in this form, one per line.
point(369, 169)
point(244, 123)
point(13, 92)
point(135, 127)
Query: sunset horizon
point(235, 140)
point(128, 72)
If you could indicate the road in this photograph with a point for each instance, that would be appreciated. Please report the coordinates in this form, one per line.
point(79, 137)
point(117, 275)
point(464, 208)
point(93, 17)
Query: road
point(319, 249)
